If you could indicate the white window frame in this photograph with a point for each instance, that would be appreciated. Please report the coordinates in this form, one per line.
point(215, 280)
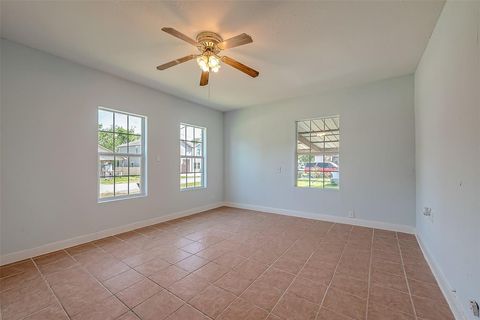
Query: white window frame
point(204, 157)
point(142, 155)
point(296, 153)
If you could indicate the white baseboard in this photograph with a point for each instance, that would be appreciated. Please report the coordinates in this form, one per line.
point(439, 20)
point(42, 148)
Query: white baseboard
point(326, 217)
point(62, 244)
point(449, 295)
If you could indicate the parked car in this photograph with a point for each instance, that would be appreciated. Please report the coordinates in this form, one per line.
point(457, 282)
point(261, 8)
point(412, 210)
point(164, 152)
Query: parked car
point(320, 167)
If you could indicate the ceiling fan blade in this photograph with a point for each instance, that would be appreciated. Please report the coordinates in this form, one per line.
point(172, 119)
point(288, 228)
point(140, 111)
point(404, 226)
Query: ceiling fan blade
point(204, 78)
point(179, 35)
point(175, 62)
point(236, 41)
point(240, 66)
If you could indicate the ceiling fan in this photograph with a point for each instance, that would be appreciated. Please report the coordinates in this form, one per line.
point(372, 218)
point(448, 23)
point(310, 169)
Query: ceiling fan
point(210, 44)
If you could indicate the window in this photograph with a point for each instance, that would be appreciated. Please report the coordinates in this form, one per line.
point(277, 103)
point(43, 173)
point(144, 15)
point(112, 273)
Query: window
point(192, 157)
point(121, 155)
point(318, 142)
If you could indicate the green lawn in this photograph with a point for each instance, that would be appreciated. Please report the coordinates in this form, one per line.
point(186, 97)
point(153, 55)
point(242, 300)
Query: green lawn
point(197, 183)
point(190, 185)
point(316, 183)
point(133, 179)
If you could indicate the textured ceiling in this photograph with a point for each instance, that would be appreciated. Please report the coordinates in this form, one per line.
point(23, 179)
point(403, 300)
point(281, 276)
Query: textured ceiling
point(299, 47)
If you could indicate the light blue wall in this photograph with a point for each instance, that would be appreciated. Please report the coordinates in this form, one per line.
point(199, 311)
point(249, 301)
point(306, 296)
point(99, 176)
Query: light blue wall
point(447, 123)
point(377, 177)
point(49, 149)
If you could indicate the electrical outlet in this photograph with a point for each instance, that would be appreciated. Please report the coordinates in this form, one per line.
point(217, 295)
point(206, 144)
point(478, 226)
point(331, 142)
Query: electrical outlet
point(427, 212)
point(475, 308)
point(351, 214)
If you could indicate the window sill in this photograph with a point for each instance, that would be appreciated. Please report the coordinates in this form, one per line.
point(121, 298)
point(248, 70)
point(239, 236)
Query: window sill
point(193, 189)
point(310, 188)
point(113, 199)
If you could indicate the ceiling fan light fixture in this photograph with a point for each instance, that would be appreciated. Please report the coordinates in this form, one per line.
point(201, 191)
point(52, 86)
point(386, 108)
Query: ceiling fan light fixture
point(203, 63)
point(213, 62)
point(208, 62)
point(210, 44)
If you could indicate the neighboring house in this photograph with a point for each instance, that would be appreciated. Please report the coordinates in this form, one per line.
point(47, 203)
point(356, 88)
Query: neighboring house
point(134, 147)
point(190, 149)
point(122, 162)
point(102, 149)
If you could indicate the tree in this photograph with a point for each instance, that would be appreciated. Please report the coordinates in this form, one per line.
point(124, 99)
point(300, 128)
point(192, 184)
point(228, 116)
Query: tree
point(110, 140)
point(305, 158)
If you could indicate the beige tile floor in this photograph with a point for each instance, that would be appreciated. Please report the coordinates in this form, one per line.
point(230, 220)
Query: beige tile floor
point(229, 264)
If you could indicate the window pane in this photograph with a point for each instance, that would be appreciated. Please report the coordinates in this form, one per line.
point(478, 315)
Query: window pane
point(199, 149)
point(105, 141)
point(190, 180)
point(134, 144)
point(198, 165)
point(316, 180)
point(121, 166)
point(135, 172)
point(121, 186)
point(303, 160)
point(332, 179)
point(189, 148)
point(189, 133)
point(185, 164)
point(106, 180)
point(105, 120)
point(106, 187)
point(135, 166)
point(302, 179)
point(317, 127)
point(106, 166)
point(182, 147)
point(182, 132)
point(135, 125)
point(121, 175)
point(198, 180)
point(183, 181)
point(121, 143)
point(120, 123)
point(135, 185)
point(198, 134)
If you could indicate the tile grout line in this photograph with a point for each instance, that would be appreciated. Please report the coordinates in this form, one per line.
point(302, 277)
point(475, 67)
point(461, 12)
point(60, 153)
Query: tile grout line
point(369, 273)
point(98, 281)
point(146, 277)
point(212, 283)
point(334, 272)
point(165, 289)
point(44, 278)
point(172, 293)
point(258, 277)
point(237, 297)
point(296, 276)
point(406, 278)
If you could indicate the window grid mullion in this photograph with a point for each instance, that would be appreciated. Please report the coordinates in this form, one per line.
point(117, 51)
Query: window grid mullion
point(323, 135)
point(116, 156)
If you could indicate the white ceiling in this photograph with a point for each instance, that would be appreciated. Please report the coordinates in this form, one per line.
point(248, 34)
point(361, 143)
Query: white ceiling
point(299, 47)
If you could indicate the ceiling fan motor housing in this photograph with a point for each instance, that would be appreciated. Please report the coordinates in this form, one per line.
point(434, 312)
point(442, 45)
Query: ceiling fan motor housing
point(208, 42)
